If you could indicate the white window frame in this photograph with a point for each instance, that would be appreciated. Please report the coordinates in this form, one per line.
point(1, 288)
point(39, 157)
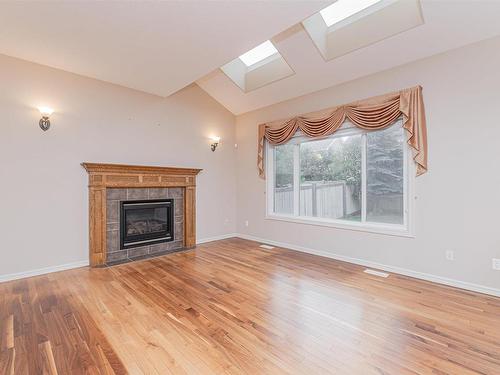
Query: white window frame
point(407, 229)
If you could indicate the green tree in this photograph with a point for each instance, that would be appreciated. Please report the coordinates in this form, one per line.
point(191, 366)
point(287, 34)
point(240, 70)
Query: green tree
point(283, 164)
point(339, 160)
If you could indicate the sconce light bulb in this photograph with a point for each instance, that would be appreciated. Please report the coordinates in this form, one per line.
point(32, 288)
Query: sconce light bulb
point(45, 111)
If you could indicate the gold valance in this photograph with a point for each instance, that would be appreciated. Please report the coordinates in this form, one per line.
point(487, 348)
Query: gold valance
point(371, 114)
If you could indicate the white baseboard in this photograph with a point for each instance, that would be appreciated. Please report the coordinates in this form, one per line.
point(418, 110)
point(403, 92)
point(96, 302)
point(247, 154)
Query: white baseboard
point(216, 238)
point(83, 263)
point(366, 263)
point(43, 271)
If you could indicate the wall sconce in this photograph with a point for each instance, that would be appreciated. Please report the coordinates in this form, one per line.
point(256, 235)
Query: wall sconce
point(215, 143)
point(44, 121)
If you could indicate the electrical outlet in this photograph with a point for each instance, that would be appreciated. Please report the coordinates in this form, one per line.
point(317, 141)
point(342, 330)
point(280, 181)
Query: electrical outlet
point(450, 255)
point(246, 223)
point(496, 264)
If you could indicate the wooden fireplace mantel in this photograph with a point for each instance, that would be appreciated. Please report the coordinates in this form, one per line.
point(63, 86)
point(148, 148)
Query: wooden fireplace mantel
point(105, 176)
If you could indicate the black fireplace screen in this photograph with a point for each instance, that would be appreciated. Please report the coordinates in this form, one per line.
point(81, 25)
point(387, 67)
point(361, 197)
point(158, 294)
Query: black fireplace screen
point(146, 222)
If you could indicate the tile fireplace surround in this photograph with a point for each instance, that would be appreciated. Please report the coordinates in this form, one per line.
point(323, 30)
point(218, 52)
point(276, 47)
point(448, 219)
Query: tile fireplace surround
point(111, 183)
point(116, 195)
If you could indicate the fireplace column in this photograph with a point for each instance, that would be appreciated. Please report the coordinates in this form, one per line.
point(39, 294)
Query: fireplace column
point(97, 225)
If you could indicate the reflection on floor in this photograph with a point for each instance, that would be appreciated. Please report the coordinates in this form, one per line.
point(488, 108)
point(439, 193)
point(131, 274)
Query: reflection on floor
point(230, 307)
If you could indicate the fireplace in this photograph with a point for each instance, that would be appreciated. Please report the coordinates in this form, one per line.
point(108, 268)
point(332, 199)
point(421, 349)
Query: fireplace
point(112, 184)
point(146, 222)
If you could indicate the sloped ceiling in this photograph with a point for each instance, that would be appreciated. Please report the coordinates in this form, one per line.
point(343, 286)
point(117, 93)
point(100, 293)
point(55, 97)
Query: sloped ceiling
point(156, 47)
point(448, 25)
point(161, 47)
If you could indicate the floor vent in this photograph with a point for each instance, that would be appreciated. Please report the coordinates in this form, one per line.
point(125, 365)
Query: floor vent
point(267, 247)
point(376, 273)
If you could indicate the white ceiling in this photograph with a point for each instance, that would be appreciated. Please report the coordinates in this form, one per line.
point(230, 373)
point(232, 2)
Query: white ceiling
point(157, 47)
point(448, 24)
point(161, 47)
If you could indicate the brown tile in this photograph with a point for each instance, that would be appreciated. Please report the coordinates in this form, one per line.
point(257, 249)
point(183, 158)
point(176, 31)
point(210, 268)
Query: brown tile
point(166, 246)
point(174, 245)
point(116, 194)
point(176, 193)
point(179, 231)
point(179, 219)
point(117, 255)
point(112, 211)
point(138, 251)
point(112, 241)
point(137, 193)
point(158, 193)
point(112, 226)
point(158, 247)
point(178, 207)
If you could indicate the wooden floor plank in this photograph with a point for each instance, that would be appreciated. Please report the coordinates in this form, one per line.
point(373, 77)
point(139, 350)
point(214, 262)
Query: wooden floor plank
point(230, 307)
point(49, 364)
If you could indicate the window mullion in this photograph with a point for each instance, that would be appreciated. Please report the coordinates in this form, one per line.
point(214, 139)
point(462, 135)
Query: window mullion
point(363, 178)
point(296, 179)
point(270, 157)
point(405, 182)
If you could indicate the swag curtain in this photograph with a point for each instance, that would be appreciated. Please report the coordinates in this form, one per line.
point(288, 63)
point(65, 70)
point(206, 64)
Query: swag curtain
point(370, 114)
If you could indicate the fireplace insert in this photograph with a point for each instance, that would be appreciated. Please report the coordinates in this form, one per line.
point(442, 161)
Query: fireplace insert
point(146, 222)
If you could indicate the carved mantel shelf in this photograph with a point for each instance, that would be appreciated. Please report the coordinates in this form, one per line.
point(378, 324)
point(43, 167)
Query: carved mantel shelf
point(105, 176)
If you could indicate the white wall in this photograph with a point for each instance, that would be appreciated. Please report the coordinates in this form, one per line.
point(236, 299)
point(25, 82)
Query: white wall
point(43, 188)
point(458, 199)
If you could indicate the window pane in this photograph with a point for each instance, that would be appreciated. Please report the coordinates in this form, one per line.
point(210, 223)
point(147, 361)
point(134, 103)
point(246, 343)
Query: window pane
point(330, 178)
point(384, 172)
point(283, 179)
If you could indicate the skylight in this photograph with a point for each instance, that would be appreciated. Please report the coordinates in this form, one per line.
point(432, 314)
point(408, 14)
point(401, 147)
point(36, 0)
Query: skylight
point(342, 9)
point(259, 53)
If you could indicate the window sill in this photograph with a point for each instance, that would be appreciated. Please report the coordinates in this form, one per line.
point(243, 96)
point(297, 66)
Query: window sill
point(385, 229)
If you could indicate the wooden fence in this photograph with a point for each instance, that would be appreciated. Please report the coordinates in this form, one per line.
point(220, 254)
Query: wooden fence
point(318, 199)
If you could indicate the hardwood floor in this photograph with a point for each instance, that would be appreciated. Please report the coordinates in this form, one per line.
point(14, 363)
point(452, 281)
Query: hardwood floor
point(230, 307)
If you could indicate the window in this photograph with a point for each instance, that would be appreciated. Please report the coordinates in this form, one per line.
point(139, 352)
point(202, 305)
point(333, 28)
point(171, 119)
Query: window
point(283, 202)
point(342, 9)
point(353, 179)
point(257, 67)
point(259, 53)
